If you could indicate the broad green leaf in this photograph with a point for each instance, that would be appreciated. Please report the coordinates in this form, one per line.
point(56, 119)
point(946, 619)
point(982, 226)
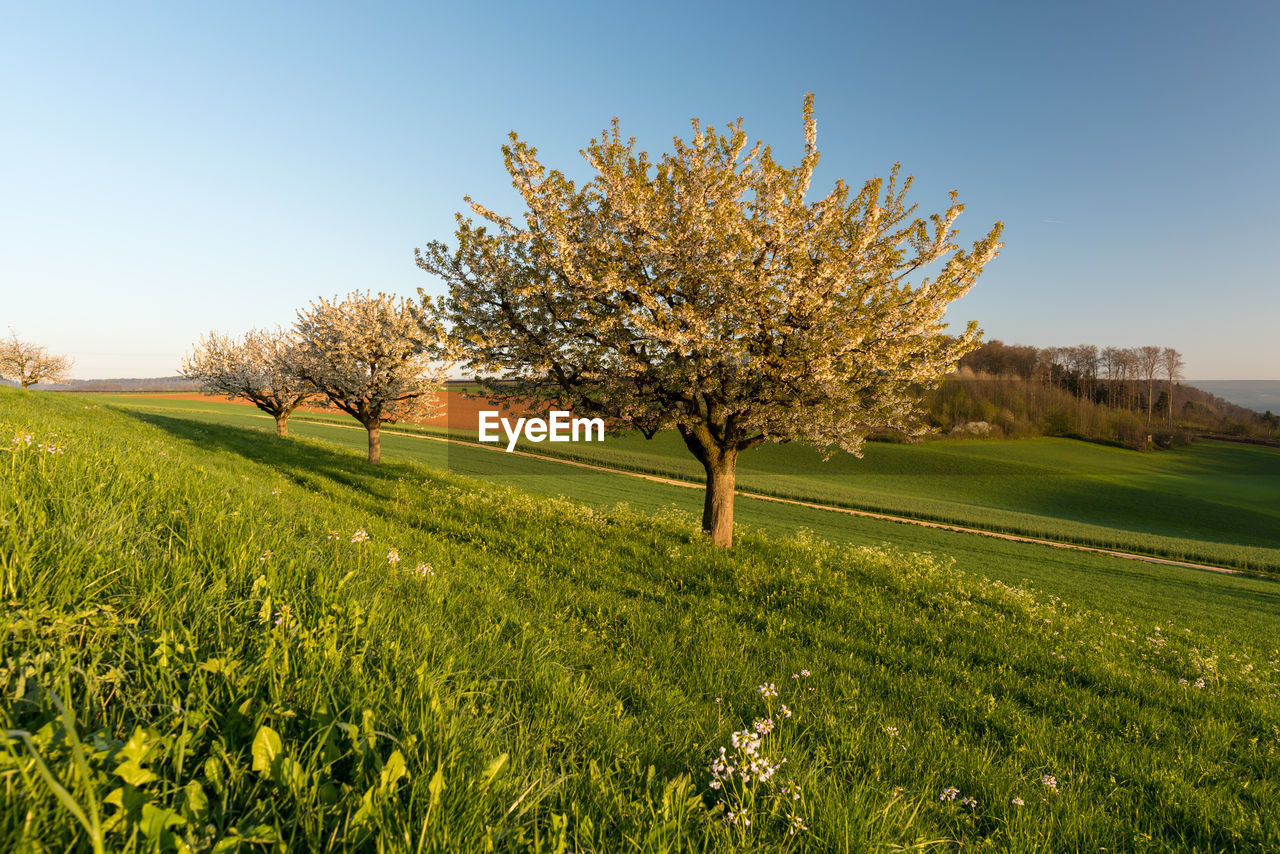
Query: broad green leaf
point(436, 786)
point(195, 804)
point(137, 747)
point(392, 772)
point(156, 820)
point(266, 747)
point(494, 769)
point(134, 774)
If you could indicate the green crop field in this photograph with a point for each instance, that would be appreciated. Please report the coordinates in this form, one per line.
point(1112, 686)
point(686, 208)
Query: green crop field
point(1211, 501)
point(204, 652)
point(1136, 589)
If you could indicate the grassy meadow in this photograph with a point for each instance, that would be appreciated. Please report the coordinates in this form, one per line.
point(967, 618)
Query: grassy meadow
point(1209, 502)
point(1246, 607)
point(210, 646)
point(1215, 502)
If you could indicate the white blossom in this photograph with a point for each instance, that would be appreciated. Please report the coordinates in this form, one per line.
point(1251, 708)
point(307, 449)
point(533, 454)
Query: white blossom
point(262, 368)
point(703, 291)
point(375, 357)
point(27, 364)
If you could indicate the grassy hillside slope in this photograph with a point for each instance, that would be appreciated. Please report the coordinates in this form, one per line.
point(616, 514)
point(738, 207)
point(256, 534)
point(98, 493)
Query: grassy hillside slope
point(1244, 608)
point(1213, 502)
point(199, 653)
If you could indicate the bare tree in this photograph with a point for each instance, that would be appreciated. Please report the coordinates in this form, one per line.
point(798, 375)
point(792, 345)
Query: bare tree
point(1172, 364)
point(1087, 359)
point(375, 357)
point(1112, 368)
point(1148, 359)
point(1130, 370)
point(27, 364)
point(261, 367)
point(701, 291)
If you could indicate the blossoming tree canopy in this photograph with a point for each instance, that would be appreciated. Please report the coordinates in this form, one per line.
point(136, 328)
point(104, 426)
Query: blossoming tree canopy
point(375, 357)
point(27, 364)
point(262, 368)
point(703, 291)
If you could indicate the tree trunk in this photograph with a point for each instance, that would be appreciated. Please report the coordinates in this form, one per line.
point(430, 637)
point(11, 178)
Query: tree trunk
point(721, 464)
point(717, 507)
point(282, 424)
point(375, 444)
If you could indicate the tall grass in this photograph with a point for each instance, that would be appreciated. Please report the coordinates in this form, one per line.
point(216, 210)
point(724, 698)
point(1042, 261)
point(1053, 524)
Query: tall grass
point(201, 654)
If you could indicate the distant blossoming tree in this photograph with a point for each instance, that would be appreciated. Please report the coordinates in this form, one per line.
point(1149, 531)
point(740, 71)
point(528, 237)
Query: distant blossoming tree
point(27, 364)
point(703, 292)
point(261, 367)
point(375, 358)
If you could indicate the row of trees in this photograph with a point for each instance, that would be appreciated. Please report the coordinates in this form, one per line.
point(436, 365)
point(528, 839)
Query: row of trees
point(373, 356)
point(27, 364)
point(1128, 395)
point(700, 291)
point(1127, 377)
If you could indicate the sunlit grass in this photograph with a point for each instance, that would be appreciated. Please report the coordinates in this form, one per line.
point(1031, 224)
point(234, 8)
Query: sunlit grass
point(239, 669)
point(1210, 502)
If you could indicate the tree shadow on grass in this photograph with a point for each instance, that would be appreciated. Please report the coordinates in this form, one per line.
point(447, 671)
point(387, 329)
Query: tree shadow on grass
point(305, 461)
point(345, 476)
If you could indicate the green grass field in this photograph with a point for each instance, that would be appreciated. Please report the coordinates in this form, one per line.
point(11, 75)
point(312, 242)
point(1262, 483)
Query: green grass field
point(1210, 502)
point(198, 657)
point(1250, 608)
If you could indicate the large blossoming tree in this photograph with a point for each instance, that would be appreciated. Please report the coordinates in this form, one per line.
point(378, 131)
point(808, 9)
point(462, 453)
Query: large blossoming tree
point(704, 291)
point(375, 357)
point(262, 368)
point(27, 364)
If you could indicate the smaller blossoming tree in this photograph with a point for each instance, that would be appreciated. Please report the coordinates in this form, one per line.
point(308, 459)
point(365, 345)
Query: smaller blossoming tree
point(375, 358)
point(261, 367)
point(26, 363)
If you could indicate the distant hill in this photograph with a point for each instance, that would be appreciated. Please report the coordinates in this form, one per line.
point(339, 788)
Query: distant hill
point(157, 384)
point(125, 384)
point(1258, 395)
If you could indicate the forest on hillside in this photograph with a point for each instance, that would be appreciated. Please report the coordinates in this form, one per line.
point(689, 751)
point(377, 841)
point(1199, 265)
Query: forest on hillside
point(1130, 396)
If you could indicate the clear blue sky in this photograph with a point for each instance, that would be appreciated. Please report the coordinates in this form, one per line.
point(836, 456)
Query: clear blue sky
point(170, 168)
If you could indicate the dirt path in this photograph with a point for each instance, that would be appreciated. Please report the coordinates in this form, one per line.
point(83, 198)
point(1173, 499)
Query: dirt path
point(866, 514)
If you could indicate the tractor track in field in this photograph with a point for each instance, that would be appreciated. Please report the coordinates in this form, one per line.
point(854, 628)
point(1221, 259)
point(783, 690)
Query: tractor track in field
point(848, 511)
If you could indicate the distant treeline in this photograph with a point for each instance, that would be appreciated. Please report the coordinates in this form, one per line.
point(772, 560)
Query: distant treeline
point(1127, 395)
point(125, 384)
